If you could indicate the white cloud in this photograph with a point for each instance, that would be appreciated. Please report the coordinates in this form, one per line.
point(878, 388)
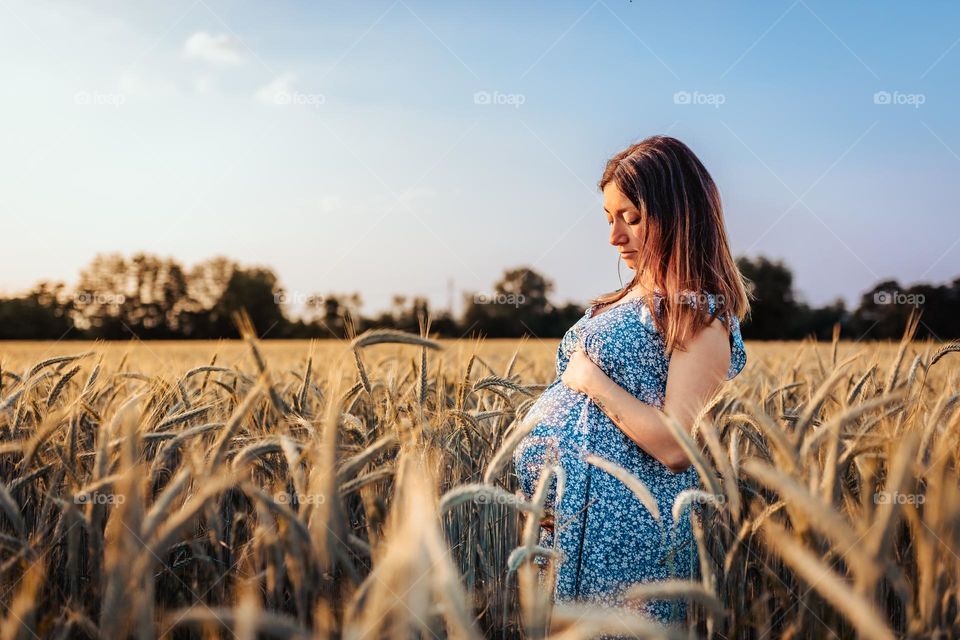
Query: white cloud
point(279, 90)
point(219, 48)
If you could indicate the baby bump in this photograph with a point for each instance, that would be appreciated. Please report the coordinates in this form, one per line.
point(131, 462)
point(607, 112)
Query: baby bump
point(555, 414)
point(531, 455)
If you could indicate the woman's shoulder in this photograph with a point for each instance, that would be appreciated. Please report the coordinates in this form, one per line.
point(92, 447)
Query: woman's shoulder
point(709, 301)
point(713, 304)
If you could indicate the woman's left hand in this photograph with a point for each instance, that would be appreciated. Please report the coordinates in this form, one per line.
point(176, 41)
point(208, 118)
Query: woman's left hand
point(581, 373)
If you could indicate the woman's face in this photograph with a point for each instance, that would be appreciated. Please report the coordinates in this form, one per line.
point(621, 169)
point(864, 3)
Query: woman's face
point(626, 224)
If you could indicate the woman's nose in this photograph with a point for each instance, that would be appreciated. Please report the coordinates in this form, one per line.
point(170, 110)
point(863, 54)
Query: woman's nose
point(617, 235)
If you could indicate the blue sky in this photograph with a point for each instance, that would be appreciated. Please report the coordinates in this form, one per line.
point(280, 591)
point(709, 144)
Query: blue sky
point(399, 146)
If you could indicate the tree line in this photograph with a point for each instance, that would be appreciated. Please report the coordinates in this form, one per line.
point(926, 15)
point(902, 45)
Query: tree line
point(154, 298)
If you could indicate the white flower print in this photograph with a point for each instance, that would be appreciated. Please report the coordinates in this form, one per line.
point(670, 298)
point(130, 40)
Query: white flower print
point(606, 538)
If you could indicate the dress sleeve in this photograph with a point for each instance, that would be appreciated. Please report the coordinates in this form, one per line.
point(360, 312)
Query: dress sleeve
point(566, 346)
point(738, 351)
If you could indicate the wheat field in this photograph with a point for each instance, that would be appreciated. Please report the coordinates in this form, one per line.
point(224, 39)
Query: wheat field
point(364, 489)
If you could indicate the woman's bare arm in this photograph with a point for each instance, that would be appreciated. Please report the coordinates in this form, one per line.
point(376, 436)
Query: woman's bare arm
point(692, 379)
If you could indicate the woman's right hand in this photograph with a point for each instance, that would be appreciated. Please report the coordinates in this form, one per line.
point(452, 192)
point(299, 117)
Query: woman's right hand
point(546, 522)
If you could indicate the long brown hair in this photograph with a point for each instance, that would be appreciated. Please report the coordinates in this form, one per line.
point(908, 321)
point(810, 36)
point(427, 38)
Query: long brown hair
point(684, 251)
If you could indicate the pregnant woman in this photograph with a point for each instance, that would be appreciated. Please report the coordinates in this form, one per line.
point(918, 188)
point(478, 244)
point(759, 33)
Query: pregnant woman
point(665, 342)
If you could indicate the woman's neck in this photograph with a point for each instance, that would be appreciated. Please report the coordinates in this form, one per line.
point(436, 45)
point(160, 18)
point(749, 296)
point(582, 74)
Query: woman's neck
point(643, 287)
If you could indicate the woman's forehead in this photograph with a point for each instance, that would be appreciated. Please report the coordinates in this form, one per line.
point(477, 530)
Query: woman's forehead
point(614, 200)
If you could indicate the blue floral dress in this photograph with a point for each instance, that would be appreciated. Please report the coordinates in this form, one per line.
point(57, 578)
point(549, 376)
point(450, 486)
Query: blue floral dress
point(606, 539)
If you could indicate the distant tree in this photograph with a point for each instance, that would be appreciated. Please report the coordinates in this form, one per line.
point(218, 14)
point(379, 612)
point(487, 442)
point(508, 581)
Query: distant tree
point(151, 297)
point(562, 318)
point(351, 305)
point(519, 305)
point(141, 297)
point(404, 313)
point(885, 309)
point(774, 311)
point(206, 283)
point(41, 314)
point(444, 325)
point(161, 288)
point(819, 321)
point(209, 279)
point(332, 319)
point(408, 319)
point(334, 313)
point(941, 310)
point(255, 290)
point(529, 285)
point(398, 304)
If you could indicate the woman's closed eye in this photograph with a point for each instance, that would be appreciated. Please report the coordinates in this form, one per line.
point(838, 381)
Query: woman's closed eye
point(632, 221)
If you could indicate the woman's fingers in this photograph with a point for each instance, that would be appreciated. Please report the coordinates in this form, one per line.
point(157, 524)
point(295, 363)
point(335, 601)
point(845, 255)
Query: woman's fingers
point(546, 522)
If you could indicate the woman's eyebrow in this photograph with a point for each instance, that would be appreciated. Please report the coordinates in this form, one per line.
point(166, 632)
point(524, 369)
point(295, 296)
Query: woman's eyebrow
point(620, 210)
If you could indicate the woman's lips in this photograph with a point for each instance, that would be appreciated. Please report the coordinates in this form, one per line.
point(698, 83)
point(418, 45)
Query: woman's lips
point(627, 254)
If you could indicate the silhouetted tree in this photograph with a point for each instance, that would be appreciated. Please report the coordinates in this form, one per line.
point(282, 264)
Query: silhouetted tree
point(883, 311)
point(409, 319)
point(819, 321)
point(41, 314)
point(773, 307)
point(519, 305)
point(334, 313)
point(256, 291)
point(151, 297)
point(140, 297)
point(941, 310)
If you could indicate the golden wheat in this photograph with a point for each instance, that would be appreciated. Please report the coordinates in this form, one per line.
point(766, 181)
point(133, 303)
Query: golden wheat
point(347, 489)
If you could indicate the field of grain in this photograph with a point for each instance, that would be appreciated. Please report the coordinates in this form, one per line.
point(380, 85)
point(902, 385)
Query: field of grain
point(364, 490)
